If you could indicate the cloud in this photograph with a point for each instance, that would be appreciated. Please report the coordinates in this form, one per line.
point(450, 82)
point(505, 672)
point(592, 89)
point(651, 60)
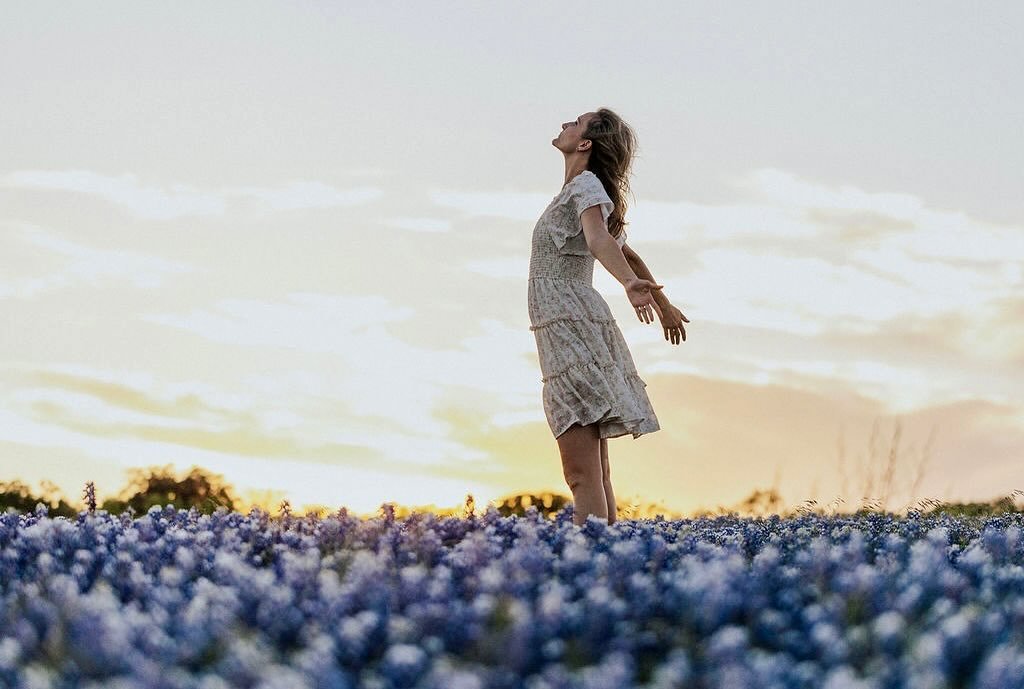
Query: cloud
point(180, 200)
point(318, 426)
point(304, 194)
point(136, 426)
point(802, 428)
point(308, 322)
point(507, 268)
point(700, 459)
point(907, 363)
point(429, 225)
point(75, 264)
point(359, 479)
point(367, 172)
point(511, 205)
point(371, 367)
point(125, 190)
point(787, 190)
point(815, 286)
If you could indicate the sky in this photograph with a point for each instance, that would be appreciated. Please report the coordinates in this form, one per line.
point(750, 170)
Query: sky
point(289, 242)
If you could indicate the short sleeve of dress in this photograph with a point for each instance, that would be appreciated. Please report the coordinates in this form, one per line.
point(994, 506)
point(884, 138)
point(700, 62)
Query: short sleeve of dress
point(586, 191)
point(590, 192)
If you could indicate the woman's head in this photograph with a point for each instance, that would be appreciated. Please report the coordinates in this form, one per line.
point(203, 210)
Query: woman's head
point(607, 145)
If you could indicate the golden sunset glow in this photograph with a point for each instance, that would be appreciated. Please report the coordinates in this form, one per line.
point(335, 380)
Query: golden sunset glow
point(290, 245)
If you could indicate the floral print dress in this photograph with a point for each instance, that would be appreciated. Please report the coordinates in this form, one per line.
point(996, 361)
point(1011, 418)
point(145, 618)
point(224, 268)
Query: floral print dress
point(587, 372)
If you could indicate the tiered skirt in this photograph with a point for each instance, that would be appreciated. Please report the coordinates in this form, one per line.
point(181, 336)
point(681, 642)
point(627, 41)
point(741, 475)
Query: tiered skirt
point(587, 370)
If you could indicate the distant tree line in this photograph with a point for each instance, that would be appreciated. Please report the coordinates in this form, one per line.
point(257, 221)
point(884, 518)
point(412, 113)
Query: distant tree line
point(207, 491)
point(146, 487)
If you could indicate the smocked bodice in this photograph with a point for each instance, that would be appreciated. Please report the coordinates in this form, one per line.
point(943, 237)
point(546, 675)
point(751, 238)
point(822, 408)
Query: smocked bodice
point(558, 248)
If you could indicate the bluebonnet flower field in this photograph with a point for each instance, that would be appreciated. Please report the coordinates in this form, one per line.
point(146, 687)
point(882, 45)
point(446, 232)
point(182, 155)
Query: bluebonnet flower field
point(176, 599)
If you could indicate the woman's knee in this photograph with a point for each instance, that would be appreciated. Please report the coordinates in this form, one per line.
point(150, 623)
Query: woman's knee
point(581, 454)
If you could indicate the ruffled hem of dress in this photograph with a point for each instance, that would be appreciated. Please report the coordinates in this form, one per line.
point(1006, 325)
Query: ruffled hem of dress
point(608, 395)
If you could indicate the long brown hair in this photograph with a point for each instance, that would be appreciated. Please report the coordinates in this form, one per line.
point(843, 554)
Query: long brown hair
point(611, 158)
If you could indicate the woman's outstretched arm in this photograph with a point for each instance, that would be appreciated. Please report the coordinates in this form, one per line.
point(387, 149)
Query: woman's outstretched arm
point(641, 270)
point(672, 319)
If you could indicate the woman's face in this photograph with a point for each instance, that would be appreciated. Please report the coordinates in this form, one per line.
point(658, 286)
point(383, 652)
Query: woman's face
point(572, 133)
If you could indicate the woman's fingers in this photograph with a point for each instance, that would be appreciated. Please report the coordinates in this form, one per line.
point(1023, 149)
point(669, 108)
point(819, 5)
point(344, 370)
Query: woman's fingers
point(675, 334)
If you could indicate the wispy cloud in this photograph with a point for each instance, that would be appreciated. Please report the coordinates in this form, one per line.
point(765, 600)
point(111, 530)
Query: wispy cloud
point(304, 321)
point(326, 474)
point(307, 194)
point(75, 264)
point(432, 225)
point(806, 258)
point(508, 268)
point(511, 205)
point(302, 422)
point(370, 364)
point(816, 287)
point(153, 202)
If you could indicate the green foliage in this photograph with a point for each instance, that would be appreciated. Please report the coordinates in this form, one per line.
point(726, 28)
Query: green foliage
point(158, 486)
point(547, 504)
point(18, 496)
point(146, 487)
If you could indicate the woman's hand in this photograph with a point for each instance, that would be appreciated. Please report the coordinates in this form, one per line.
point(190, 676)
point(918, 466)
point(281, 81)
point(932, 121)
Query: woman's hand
point(638, 291)
point(672, 321)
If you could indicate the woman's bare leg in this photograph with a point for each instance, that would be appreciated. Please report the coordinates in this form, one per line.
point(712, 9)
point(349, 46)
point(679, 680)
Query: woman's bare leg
point(580, 448)
point(606, 478)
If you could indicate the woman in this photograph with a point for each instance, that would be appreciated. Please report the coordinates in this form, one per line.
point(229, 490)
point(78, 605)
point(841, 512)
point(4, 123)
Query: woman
point(591, 388)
